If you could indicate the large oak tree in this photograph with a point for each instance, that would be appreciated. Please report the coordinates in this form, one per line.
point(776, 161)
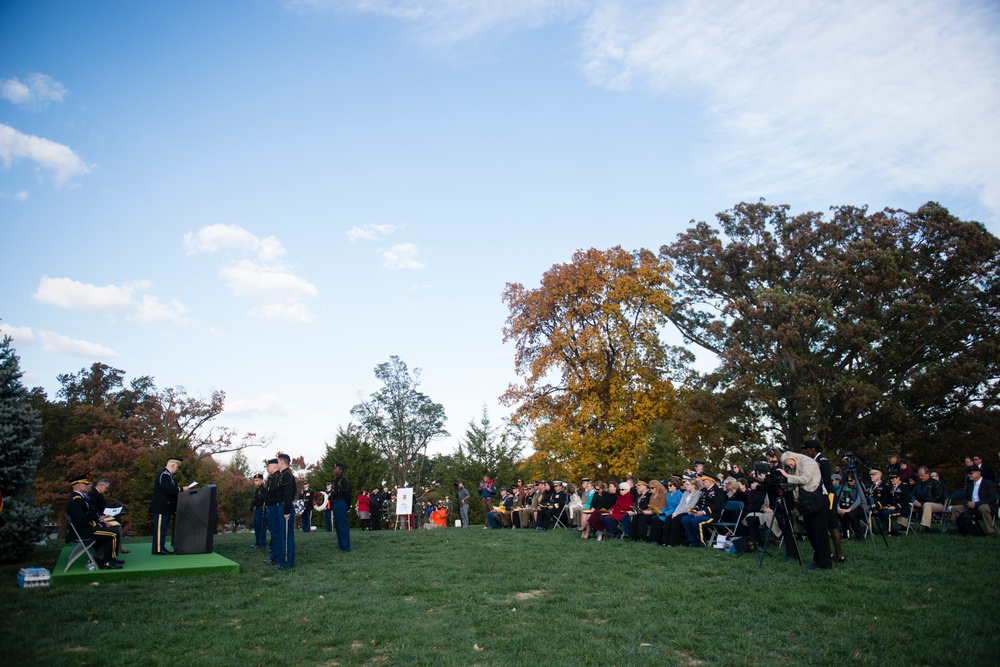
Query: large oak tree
point(871, 331)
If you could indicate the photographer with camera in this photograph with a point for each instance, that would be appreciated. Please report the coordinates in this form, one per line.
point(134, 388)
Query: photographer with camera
point(812, 503)
point(772, 483)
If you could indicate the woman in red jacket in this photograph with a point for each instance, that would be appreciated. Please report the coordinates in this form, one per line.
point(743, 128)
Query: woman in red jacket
point(365, 510)
point(623, 503)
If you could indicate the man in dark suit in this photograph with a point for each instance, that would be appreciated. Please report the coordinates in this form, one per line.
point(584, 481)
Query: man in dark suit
point(984, 467)
point(100, 503)
point(981, 497)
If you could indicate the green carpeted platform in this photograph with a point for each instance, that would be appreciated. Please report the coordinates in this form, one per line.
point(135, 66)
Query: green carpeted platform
point(142, 564)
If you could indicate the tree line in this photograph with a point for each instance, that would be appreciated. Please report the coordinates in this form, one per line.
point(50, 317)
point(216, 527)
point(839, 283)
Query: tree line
point(872, 332)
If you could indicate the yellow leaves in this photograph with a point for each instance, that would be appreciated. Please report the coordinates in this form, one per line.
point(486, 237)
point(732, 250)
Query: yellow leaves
point(589, 353)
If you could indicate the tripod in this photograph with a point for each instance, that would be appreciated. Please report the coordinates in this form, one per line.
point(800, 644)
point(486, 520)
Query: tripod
point(786, 533)
point(866, 508)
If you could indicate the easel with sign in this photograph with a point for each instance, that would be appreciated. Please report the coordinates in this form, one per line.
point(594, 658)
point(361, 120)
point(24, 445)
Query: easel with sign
point(404, 509)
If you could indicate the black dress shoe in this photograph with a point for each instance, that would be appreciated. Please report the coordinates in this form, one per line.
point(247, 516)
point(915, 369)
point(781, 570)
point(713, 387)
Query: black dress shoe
point(110, 565)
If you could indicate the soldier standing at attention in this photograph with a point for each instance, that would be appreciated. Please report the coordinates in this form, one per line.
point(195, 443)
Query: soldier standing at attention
point(163, 505)
point(257, 505)
point(285, 513)
point(340, 500)
point(306, 496)
point(273, 509)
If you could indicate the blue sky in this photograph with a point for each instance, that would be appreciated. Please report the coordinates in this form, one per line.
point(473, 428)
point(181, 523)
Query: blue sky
point(271, 198)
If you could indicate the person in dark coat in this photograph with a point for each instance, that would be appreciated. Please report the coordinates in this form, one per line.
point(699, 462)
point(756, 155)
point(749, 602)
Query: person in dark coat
point(341, 500)
point(85, 520)
point(163, 505)
point(981, 498)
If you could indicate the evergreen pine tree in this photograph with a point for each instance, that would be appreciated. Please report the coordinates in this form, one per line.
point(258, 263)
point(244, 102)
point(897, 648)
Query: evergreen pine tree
point(21, 524)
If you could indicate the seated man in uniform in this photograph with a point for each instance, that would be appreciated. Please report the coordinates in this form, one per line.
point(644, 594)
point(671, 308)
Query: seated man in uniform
point(82, 516)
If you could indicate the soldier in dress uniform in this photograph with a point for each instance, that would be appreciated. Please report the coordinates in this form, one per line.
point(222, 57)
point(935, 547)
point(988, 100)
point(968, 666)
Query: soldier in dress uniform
point(378, 500)
point(259, 519)
point(163, 505)
point(306, 495)
point(272, 506)
point(879, 494)
point(87, 523)
point(341, 501)
point(898, 505)
point(286, 513)
point(708, 510)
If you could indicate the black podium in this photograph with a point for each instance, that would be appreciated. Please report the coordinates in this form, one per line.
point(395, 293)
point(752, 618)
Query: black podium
point(194, 525)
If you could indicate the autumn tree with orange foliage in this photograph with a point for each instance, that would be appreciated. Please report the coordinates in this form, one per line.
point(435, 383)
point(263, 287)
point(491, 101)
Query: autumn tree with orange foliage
point(596, 375)
point(101, 426)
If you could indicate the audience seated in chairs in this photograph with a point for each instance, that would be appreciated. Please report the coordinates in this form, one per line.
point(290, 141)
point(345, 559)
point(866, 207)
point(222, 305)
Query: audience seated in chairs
point(612, 522)
point(929, 496)
point(708, 509)
point(646, 525)
point(501, 516)
point(659, 526)
point(898, 506)
point(849, 509)
point(81, 514)
point(640, 514)
point(981, 499)
point(555, 501)
point(604, 500)
point(689, 500)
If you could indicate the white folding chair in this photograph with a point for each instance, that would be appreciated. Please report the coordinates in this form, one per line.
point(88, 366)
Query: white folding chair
point(82, 547)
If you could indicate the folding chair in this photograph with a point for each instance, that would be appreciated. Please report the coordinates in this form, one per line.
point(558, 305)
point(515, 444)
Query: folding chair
point(909, 522)
point(727, 528)
point(560, 523)
point(944, 516)
point(82, 547)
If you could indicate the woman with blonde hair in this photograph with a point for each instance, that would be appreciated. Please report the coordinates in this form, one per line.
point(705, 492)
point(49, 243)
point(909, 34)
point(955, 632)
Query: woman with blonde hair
point(692, 493)
point(803, 472)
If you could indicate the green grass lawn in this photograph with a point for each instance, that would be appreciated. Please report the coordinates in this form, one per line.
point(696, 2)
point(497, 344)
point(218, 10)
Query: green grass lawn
point(476, 597)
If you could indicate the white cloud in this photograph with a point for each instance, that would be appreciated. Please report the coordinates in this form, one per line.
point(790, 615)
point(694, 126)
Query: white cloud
point(276, 291)
point(289, 312)
point(446, 21)
point(20, 335)
point(269, 283)
point(150, 310)
point(74, 295)
point(60, 160)
point(821, 98)
point(371, 232)
point(802, 99)
point(54, 342)
point(267, 405)
point(401, 256)
point(219, 238)
point(21, 196)
point(36, 91)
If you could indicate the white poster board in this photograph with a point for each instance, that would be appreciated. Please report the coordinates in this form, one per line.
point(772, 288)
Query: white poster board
point(404, 500)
